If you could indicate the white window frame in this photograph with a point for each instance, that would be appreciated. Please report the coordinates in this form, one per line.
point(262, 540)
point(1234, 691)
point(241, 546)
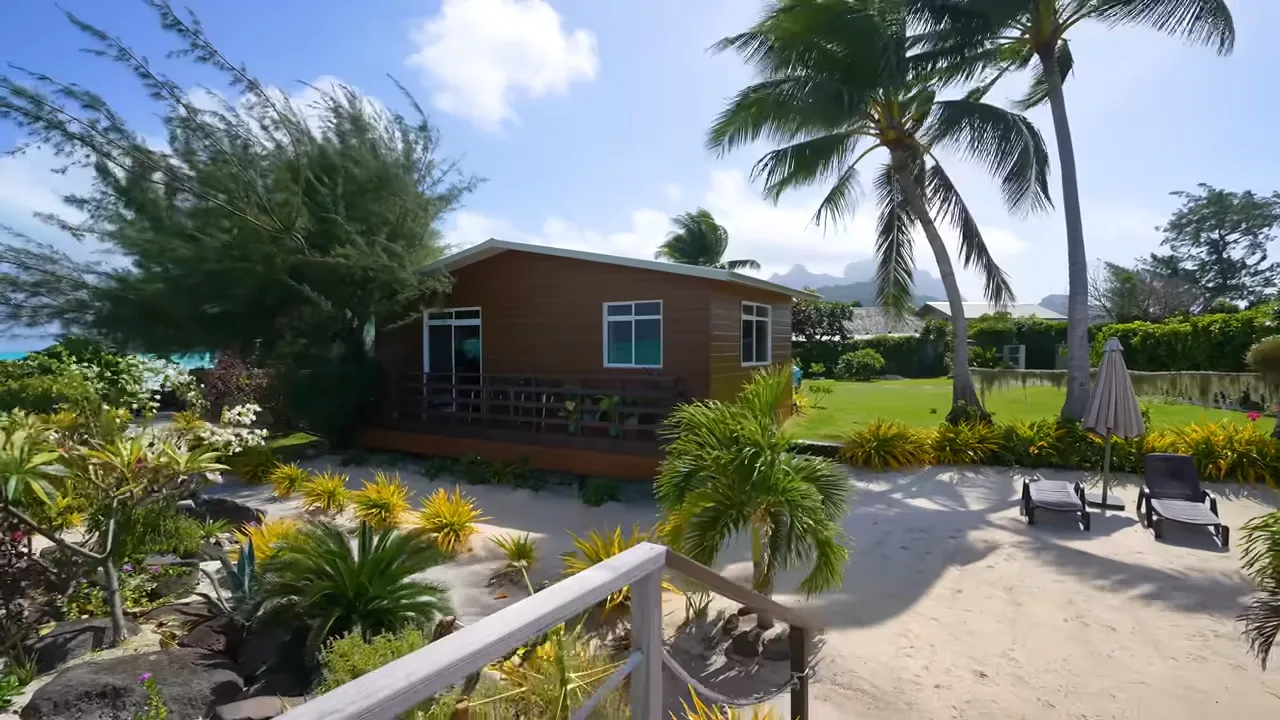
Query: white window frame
point(768, 335)
point(426, 336)
point(604, 334)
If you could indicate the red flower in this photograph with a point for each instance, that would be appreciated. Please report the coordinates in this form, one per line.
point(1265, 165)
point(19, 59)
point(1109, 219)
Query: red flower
point(1253, 415)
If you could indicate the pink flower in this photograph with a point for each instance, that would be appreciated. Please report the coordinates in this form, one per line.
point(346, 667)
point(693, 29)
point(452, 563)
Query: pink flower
point(17, 536)
point(1253, 415)
point(143, 678)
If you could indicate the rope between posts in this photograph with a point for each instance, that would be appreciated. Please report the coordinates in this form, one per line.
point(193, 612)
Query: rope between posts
point(708, 694)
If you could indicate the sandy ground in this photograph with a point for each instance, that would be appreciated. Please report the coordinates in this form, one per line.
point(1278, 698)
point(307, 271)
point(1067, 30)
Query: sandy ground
point(952, 607)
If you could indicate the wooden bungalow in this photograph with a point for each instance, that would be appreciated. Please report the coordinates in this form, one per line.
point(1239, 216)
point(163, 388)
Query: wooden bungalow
point(572, 359)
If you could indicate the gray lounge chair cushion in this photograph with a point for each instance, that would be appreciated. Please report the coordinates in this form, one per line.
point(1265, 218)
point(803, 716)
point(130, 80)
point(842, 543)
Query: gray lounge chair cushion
point(1173, 476)
point(1184, 511)
point(1054, 495)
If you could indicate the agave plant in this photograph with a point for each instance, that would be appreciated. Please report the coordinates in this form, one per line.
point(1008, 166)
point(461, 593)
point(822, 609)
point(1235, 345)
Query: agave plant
point(450, 518)
point(382, 503)
point(320, 577)
point(245, 600)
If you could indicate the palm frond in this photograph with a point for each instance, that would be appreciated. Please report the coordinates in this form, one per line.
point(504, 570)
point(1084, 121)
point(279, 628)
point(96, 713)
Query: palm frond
point(1201, 22)
point(806, 162)
point(1260, 549)
point(1038, 92)
point(736, 265)
point(895, 248)
point(948, 206)
point(1007, 144)
point(1261, 619)
point(782, 110)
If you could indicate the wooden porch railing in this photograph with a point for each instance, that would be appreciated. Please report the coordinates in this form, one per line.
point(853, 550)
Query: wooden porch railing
point(606, 407)
point(403, 684)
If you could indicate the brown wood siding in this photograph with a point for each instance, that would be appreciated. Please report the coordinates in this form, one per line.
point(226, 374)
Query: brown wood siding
point(585, 462)
point(727, 372)
point(543, 315)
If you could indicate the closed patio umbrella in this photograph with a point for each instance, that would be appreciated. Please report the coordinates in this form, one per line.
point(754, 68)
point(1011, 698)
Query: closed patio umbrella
point(1113, 409)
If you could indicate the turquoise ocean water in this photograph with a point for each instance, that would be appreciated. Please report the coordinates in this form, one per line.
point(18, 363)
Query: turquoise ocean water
point(191, 362)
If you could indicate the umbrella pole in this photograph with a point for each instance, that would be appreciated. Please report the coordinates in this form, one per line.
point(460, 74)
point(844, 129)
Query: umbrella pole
point(1106, 468)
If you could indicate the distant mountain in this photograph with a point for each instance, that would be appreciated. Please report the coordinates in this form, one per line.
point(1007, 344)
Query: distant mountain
point(858, 283)
point(1056, 303)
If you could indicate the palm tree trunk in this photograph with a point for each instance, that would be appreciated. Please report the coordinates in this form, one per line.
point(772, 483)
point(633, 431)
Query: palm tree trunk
point(962, 389)
point(761, 580)
point(1073, 408)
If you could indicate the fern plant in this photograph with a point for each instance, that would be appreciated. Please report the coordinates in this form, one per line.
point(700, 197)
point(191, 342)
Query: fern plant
point(382, 503)
point(286, 478)
point(326, 492)
point(450, 518)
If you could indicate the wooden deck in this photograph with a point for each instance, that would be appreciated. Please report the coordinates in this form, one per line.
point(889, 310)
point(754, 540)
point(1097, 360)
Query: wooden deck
point(607, 426)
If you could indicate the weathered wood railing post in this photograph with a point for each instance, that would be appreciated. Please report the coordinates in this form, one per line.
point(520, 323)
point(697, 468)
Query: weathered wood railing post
point(799, 640)
point(646, 638)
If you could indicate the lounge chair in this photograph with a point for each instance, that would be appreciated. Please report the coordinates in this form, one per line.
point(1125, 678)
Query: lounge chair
point(1056, 495)
point(1173, 492)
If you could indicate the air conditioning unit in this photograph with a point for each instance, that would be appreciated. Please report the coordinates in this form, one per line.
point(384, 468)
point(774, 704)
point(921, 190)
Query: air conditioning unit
point(1015, 356)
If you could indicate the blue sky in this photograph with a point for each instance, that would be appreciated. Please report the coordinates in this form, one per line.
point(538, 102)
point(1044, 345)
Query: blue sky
point(587, 119)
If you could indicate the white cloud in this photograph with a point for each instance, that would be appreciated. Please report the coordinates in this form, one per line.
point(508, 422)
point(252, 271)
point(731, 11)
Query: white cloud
point(308, 99)
point(777, 236)
point(29, 184)
point(673, 191)
point(478, 54)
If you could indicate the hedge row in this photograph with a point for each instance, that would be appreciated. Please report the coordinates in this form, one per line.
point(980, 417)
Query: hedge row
point(1209, 343)
point(1222, 451)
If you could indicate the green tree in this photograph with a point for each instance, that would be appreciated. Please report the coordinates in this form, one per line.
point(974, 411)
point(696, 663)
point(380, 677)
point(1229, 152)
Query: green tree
point(699, 240)
point(1126, 294)
point(730, 468)
point(278, 230)
point(838, 80)
point(813, 320)
point(319, 577)
point(1220, 238)
point(987, 39)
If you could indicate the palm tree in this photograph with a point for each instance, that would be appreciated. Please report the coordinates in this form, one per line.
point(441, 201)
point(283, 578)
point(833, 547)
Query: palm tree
point(729, 467)
point(838, 81)
point(986, 39)
point(1260, 559)
point(699, 240)
point(318, 576)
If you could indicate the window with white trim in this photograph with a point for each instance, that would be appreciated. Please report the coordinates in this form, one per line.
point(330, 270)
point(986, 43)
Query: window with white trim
point(756, 333)
point(633, 334)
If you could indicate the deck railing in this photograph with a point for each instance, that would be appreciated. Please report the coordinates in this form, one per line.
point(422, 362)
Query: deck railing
point(620, 408)
point(405, 683)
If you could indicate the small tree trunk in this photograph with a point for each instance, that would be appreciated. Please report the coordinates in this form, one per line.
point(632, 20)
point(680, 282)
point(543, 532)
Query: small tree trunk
point(761, 578)
point(1077, 400)
point(962, 389)
point(116, 599)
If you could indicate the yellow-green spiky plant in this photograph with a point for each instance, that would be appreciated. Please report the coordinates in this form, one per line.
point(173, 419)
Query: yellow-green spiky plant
point(286, 478)
point(326, 492)
point(383, 503)
point(450, 518)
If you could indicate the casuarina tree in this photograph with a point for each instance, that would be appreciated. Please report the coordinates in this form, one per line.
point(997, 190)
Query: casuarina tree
point(838, 82)
point(699, 240)
point(281, 227)
point(984, 40)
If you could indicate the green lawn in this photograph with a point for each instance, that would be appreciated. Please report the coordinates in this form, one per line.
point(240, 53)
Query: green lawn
point(925, 402)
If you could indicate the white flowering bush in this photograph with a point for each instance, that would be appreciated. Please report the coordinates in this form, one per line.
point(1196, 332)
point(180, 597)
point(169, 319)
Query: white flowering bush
point(234, 434)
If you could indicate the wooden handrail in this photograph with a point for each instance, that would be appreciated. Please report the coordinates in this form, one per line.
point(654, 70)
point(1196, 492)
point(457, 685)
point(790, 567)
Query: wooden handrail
point(403, 684)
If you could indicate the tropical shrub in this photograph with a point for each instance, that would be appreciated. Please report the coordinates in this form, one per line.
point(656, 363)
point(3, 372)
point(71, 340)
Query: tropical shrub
point(968, 443)
point(701, 711)
point(1225, 450)
point(348, 657)
point(286, 478)
point(554, 677)
point(141, 530)
point(1212, 343)
point(594, 548)
point(818, 391)
point(450, 519)
point(266, 536)
point(595, 491)
point(816, 370)
point(382, 503)
point(730, 468)
point(866, 364)
point(326, 492)
point(319, 577)
point(885, 445)
point(1032, 444)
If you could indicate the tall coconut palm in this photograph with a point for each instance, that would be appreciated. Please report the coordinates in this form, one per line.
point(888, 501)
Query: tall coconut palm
point(1260, 555)
point(699, 240)
point(984, 40)
point(730, 468)
point(838, 81)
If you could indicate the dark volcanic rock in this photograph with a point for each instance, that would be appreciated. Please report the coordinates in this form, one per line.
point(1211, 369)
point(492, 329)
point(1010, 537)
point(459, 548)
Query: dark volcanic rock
point(69, 640)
